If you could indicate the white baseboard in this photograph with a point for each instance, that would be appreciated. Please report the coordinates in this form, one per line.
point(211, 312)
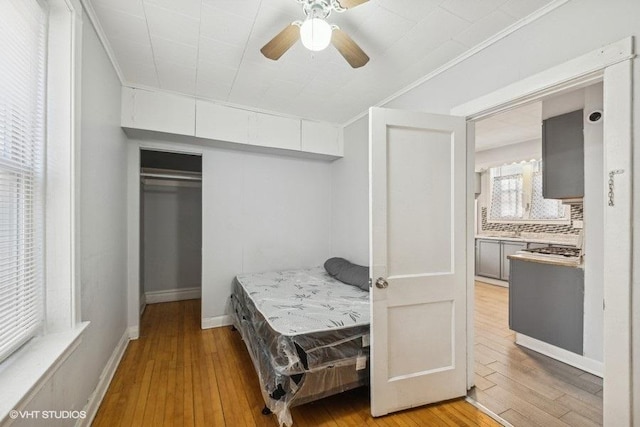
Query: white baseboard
point(216, 322)
point(171, 295)
point(589, 365)
point(91, 408)
point(491, 281)
point(134, 332)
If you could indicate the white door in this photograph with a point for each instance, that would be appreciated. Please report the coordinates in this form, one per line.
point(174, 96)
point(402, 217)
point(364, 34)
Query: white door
point(418, 260)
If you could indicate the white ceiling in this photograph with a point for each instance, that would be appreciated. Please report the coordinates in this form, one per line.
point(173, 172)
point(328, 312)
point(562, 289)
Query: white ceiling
point(211, 49)
point(513, 126)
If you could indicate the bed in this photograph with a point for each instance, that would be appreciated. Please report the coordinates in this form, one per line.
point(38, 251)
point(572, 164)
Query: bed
point(306, 332)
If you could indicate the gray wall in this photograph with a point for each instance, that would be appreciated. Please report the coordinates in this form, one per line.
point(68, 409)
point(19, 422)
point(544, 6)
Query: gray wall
point(172, 223)
point(103, 233)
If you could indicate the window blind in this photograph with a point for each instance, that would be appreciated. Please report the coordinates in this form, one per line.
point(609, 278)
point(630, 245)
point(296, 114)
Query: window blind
point(23, 37)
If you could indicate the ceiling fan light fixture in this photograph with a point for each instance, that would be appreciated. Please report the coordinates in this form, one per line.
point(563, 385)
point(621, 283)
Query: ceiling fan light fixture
point(315, 34)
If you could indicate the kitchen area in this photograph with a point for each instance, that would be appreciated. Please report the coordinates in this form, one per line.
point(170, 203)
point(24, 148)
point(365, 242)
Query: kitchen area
point(539, 261)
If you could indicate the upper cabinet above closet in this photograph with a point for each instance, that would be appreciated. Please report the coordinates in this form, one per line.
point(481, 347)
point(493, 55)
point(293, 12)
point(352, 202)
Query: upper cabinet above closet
point(153, 111)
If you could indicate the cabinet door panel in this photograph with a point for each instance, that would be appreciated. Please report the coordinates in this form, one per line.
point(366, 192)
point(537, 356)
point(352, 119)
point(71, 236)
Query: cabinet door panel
point(563, 156)
point(546, 302)
point(509, 248)
point(488, 258)
point(222, 123)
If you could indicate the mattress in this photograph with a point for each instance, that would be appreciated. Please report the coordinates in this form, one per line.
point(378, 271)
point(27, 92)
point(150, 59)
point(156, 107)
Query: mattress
point(307, 334)
point(296, 302)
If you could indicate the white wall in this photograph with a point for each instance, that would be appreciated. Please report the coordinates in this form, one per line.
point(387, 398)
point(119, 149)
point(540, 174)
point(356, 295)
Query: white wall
point(172, 223)
point(103, 234)
point(350, 183)
point(594, 205)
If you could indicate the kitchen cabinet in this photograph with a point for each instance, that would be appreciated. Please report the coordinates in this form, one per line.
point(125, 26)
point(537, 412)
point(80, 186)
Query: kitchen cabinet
point(488, 258)
point(546, 302)
point(563, 156)
point(491, 257)
point(506, 249)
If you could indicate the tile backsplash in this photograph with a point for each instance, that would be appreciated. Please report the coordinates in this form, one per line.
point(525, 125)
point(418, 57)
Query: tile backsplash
point(576, 214)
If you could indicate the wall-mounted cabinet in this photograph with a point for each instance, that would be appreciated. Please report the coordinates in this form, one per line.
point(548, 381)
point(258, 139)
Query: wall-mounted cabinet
point(321, 138)
point(563, 156)
point(222, 123)
point(266, 130)
point(157, 111)
point(173, 114)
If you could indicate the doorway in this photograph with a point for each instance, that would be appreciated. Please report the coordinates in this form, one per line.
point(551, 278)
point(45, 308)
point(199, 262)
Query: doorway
point(170, 227)
point(542, 371)
point(612, 66)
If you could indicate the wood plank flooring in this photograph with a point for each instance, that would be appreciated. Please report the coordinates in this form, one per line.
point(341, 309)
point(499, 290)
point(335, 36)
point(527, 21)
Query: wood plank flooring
point(179, 375)
point(524, 387)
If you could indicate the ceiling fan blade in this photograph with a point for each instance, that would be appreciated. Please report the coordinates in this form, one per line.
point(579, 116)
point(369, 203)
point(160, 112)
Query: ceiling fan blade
point(348, 48)
point(350, 4)
point(282, 42)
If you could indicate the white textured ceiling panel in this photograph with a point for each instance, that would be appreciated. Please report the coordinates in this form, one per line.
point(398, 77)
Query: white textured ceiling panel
point(513, 126)
point(211, 49)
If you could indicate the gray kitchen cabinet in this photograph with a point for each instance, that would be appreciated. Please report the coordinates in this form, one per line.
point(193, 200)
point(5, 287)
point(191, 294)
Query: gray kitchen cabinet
point(546, 302)
point(563, 156)
point(506, 249)
point(488, 258)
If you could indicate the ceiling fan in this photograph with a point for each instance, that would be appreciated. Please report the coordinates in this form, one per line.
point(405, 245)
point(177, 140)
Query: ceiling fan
point(316, 33)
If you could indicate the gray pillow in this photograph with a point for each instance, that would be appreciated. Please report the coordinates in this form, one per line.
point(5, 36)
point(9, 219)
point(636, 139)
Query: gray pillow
point(347, 272)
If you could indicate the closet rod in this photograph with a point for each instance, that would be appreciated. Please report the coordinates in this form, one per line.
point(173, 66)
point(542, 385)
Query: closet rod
point(168, 176)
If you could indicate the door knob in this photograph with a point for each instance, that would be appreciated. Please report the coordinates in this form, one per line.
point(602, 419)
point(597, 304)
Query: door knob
point(381, 283)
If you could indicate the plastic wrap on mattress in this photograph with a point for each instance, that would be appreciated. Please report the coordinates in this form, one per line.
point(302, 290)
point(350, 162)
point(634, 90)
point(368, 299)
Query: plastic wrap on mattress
point(296, 369)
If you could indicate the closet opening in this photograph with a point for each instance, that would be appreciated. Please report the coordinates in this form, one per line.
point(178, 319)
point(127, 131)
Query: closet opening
point(170, 227)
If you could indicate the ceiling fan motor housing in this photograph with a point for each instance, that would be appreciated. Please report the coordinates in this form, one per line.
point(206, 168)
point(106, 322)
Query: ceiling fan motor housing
point(320, 8)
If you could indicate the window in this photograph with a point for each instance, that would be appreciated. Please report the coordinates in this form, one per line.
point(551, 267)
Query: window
point(516, 195)
point(23, 43)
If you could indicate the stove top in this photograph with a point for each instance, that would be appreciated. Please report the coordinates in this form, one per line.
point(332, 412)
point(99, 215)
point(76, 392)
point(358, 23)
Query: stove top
point(557, 251)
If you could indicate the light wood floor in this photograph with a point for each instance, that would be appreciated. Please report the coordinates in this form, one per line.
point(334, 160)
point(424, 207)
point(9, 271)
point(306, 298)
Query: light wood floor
point(522, 386)
point(177, 374)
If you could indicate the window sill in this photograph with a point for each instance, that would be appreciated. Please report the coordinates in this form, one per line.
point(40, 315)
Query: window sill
point(23, 373)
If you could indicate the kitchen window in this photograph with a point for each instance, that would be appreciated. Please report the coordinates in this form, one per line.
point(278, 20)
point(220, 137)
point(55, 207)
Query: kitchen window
point(516, 195)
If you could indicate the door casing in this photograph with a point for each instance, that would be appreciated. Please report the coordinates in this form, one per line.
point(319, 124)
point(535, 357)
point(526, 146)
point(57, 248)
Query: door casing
point(612, 65)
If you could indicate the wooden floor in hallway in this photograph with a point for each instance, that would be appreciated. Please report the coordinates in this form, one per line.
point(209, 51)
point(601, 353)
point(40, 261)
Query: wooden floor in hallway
point(524, 387)
point(179, 375)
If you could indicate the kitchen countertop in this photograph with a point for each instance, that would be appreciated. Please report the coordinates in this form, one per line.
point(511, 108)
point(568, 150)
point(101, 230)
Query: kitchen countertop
point(568, 240)
point(547, 260)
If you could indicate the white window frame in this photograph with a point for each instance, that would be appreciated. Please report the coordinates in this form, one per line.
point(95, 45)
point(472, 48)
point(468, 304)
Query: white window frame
point(527, 199)
point(23, 374)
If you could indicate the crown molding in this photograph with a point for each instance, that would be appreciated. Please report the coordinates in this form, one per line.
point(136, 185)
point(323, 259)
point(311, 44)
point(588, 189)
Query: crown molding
point(93, 17)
